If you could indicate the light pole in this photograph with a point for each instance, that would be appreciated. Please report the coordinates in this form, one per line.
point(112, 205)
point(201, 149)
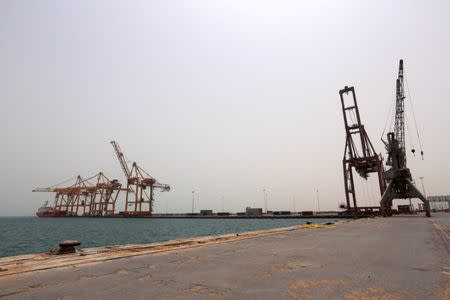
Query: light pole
point(193, 199)
point(318, 200)
point(293, 202)
point(265, 199)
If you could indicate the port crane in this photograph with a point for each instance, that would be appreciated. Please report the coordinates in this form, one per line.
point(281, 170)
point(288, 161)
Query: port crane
point(141, 185)
point(359, 153)
point(65, 198)
point(103, 195)
point(399, 177)
point(92, 196)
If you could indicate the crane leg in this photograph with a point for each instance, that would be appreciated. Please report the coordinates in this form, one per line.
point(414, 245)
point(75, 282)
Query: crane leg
point(401, 189)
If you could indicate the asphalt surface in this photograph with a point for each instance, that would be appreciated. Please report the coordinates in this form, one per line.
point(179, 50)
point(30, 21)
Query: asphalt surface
point(402, 257)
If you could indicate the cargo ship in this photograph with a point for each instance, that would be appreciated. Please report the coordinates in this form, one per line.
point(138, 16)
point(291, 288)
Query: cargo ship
point(46, 211)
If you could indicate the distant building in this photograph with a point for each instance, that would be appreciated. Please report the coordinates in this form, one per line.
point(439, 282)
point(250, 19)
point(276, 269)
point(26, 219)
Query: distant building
point(206, 212)
point(281, 213)
point(253, 211)
point(439, 203)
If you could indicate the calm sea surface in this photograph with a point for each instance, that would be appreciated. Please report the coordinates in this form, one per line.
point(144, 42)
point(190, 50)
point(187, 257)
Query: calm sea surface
point(23, 235)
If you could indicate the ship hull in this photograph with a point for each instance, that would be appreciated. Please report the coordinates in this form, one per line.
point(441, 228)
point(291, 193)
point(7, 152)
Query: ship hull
point(51, 214)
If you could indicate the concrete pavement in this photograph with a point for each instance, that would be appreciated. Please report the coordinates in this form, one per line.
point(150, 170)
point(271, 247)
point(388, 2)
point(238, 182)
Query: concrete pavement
point(402, 257)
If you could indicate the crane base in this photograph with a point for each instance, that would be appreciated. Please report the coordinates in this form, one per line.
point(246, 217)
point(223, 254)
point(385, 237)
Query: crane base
point(401, 188)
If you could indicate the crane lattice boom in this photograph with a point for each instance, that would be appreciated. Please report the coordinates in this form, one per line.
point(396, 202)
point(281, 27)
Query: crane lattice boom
point(399, 126)
point(121, 158)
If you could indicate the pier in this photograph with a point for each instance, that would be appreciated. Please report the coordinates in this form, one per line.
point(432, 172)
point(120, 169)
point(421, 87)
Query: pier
point(402, 257)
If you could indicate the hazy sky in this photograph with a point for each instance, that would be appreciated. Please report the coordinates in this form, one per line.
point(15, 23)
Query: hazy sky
point(224, 97)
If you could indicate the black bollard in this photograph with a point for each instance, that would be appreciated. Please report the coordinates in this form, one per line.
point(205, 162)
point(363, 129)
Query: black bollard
point(68, 246)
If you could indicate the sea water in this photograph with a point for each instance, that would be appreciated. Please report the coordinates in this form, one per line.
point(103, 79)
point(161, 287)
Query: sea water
point(23, 235)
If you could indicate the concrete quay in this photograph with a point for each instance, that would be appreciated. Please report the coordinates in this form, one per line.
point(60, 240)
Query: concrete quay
point(402, 257)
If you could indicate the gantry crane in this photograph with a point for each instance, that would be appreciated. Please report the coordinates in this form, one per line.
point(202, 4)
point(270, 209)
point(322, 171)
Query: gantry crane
point(141, 201)
point(65, 197)
point(399, 176)
point(104, 195)
point(139, 197)
point(95, 196)
point(359, 152)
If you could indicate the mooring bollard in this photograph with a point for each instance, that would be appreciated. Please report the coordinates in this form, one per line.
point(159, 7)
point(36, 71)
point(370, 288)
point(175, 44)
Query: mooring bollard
point(68, 246)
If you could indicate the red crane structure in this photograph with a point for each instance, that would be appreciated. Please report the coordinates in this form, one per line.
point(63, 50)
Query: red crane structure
point(359, 152)
point(139, 197)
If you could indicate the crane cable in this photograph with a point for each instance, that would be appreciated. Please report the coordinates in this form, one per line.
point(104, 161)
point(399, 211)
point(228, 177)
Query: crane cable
point(389, 119)
point(410, 140)
point(414, 117)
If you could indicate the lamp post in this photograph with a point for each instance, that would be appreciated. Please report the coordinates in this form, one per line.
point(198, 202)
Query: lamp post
point(318, 200)
point(193, 199)
point(293, 202)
